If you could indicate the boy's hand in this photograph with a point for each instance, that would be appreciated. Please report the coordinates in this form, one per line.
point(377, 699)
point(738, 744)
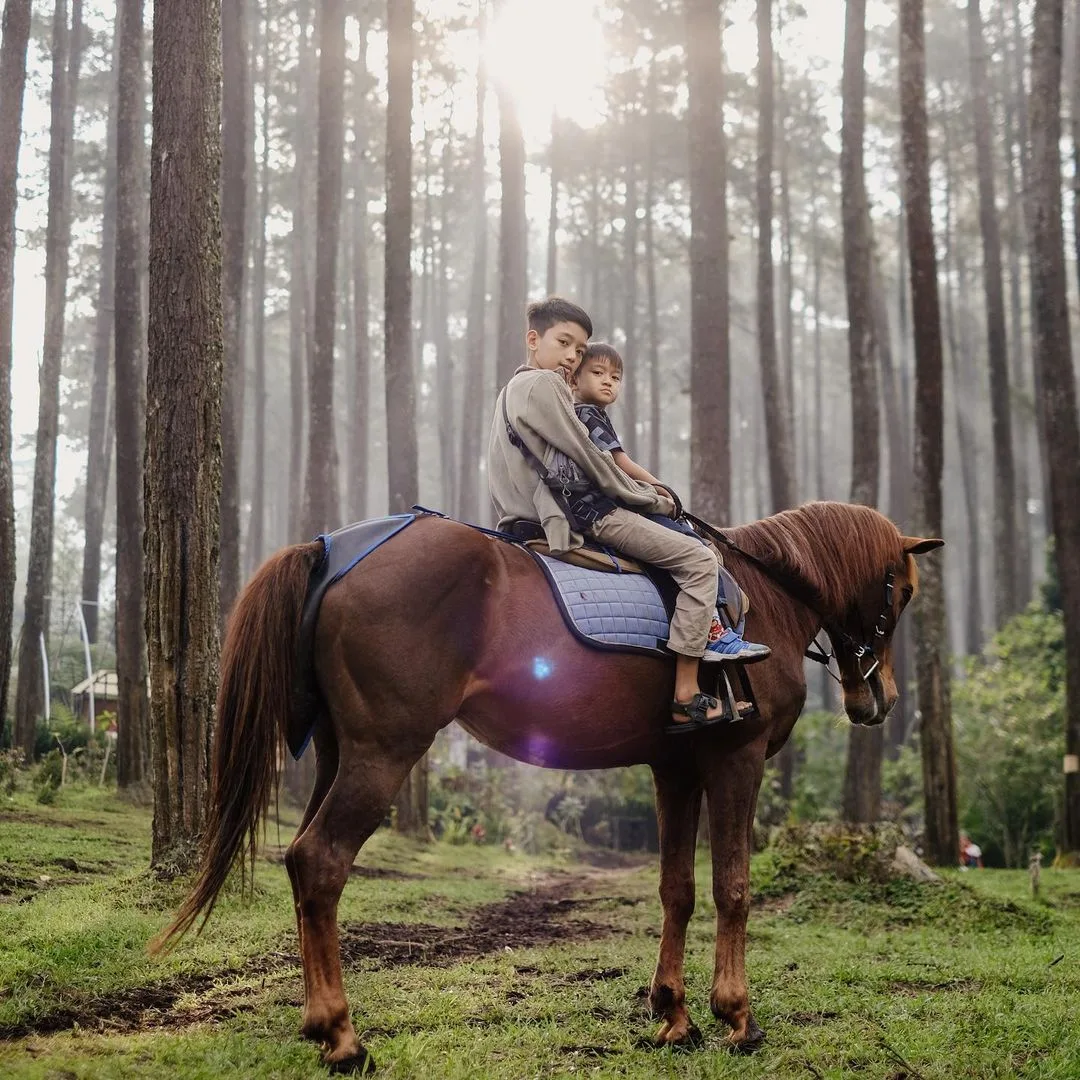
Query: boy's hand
point(676, 504)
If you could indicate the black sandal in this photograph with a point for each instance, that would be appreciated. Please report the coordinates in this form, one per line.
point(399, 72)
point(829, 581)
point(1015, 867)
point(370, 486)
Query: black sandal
point(697, 709)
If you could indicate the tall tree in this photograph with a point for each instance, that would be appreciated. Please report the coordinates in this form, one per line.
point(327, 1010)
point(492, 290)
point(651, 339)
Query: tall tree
point(470, 501)
point(16, 31)
point(1053, 363)
point(234, 181)
point(777, 428)
point(710, 370)
point(1005, 599)
point(183, 422)
point(98, 442)
point(132, 749)
point(359, 428)
point(554, 153)
point(862, 357)
point(66, 58)
point(862, 775)
point(321, 495)
point(256, 537)
point(630, 298)
point(653, 315)
point(400, 398)
point(513, 235)
point(936, 742)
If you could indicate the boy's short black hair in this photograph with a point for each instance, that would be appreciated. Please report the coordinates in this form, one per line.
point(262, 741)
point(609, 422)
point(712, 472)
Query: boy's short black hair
point(544, 314)
point(601, 350)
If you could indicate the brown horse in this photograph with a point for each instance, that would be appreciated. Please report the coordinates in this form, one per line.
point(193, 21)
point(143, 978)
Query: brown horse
point(443, 623)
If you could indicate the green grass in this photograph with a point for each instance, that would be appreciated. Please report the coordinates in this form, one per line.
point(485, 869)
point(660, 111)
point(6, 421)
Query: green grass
point(848, 979)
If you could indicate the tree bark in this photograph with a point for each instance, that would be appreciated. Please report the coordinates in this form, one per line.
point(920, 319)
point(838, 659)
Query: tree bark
point(512, 241)
point(710, 373)
point(471, 505)
point(1005, 600)
point(1054, 365)
point(322, 509)
point(858, 283)
point(256, 536)
point(16, 37)
point(234, 181)
point(360, 427)
point(299, 298)
point(97, 453)
point(629, 400)
point(777, 430)
point(653, 317)
point(66, 58)
point(132, 749)
point(183, 423)
point(936, 743)
point(553, 208)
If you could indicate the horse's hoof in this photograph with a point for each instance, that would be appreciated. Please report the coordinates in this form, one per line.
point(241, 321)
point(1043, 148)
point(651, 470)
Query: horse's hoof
point(682, 1036)
point(751, 1042)
point(360, 1062)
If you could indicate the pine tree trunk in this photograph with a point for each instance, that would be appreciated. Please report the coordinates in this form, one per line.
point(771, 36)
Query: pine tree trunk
point(553, 208)
point(629, 400)
point(360, 427)
point(938, 759)
point(299, 298)
point(234, 180)
point(97, 457)
point(400, 393)
point(862, 352)
point(322, 510)
point(256, 536)
point(778, 433)
point(183, 390)
point(960, 362)
point(471, 503)
point(512, 240)
point(1005, 600)
point(16, 31)
point(653, 316)
point(66, 57)
point(710, 372)
point(444, 359)
point(1016, 346)
point(1053, 362)
point(132, 746)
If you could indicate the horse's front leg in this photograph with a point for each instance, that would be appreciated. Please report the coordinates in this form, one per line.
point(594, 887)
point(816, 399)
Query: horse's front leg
point(731, 791)
point(678, 804)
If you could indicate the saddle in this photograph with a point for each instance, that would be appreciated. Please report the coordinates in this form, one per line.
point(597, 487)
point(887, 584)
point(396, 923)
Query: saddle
point(733, 602)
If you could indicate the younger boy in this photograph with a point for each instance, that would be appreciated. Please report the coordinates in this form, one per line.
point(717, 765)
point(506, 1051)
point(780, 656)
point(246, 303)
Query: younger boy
point(596, 384)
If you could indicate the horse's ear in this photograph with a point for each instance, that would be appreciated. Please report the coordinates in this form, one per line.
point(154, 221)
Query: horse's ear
point(914, 545)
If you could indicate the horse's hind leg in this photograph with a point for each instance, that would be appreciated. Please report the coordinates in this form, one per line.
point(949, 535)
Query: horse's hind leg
point(731, 793)
point(678, 804)
point(319, 859)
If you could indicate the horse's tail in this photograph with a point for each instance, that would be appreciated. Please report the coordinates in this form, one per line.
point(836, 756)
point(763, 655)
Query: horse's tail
point(253, 710)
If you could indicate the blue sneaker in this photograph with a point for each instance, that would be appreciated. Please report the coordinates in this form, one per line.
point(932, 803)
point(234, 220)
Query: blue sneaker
point(727, 645)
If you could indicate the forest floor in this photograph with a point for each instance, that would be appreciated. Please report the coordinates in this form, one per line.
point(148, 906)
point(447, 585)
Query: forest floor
point(470, 961)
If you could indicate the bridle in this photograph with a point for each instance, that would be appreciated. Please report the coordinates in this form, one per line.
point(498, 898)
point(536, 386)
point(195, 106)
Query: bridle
point(864, 652)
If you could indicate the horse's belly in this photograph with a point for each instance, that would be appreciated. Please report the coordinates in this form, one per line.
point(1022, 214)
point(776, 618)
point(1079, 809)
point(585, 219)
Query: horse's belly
point(567, 706)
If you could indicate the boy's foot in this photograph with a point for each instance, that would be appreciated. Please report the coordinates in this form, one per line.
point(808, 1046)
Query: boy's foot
point(701, 711)
point(730, 646)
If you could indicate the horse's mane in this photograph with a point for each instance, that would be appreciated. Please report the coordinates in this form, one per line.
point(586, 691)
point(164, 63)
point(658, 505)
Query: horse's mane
point(823, 551)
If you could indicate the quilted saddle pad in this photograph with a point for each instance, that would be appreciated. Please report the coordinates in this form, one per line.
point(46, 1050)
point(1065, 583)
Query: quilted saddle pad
point(614, 611)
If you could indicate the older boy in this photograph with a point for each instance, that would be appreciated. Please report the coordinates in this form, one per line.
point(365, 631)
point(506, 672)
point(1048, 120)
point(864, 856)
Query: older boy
point(536, 436)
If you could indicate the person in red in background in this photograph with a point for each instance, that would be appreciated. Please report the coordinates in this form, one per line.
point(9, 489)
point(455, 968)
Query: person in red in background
point(970, 853)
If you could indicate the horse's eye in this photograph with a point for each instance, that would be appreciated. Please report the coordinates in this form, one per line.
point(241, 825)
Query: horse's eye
point(907, 593)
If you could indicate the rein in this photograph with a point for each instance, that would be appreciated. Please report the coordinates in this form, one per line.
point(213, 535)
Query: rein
point(807, 599)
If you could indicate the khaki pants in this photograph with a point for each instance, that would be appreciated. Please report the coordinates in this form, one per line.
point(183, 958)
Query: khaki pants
point(690, 563)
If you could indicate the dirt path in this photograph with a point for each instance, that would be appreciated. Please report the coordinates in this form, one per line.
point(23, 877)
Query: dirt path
point(546, 912)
